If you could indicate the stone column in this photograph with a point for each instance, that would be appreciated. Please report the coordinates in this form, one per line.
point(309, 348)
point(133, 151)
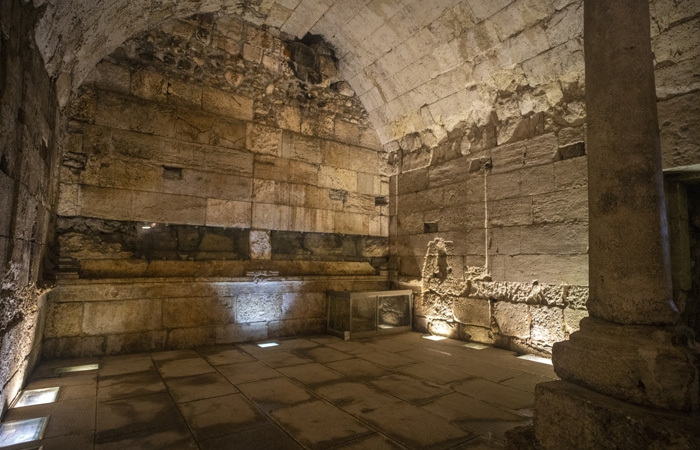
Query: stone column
point(630, 270)
point(630, 377)
point(630, 347)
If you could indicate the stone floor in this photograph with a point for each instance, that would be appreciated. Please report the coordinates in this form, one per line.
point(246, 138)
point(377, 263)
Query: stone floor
point(390, 392)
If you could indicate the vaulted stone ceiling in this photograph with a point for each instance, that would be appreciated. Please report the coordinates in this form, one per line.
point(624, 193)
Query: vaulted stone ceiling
point(416, 65)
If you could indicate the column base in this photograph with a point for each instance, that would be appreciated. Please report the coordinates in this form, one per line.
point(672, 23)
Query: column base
point(646, 365)
point(568, 416)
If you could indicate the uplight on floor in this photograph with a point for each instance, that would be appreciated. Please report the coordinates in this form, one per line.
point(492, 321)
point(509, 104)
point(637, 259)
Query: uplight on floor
point(434, 338)
point(538, 359)
point(22, 431)
point(82, 368)
point(268, 344)
point(32, 397)
point(475, 346)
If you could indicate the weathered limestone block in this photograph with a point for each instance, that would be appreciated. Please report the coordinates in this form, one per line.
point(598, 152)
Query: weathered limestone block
point(510, 212)
point(680, 142)
point(282, 169)
point(168, 208)
point(300, 147)
point(304, 305)
point(436, 306)
point(561, 206)
point(135, 342)
point(576, 296)
point(445, 328)
point(241, 332)
point(476, 334)
point(548, 269)
point(264, 140)
point(72, 347)
point(190, 337)
point(271, 217)
point(260, 247)
point(547, 325)
point(105, 203)
point(351, 223)
point(184, 94)
point(227, 213)
point(197, 311)
point(413, 181)
point(101, 318)
point(572, 318)
point(471, 311)
point(226, 103)
point(512, 319)
point(259, 307)
point(63, 319)
point(148, 85)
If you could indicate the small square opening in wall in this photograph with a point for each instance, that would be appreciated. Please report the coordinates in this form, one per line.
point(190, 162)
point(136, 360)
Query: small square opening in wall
point(22, 431)
point(381, 201)
point(430, 227)
point(32, 397)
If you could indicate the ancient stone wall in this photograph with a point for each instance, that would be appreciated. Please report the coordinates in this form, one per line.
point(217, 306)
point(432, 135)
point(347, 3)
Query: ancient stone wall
point(211, 147)
point(113, 316)
point(214, 123)
point(507, 187)
point(27, 160)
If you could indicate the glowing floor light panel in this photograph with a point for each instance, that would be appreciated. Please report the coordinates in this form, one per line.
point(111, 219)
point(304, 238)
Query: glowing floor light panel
point(434, 338)
point(82, 368)
point(268, 344)
point(21, 431)
point(538, 359)
point(475, 346)
point(32, 397)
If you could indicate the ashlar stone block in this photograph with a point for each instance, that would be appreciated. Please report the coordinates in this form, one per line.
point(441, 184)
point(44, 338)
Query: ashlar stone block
point(512, 319)
point(260, 246)
point(259, 307)
point(547, 325)
point(227, 103)
point(228, 213)
point(63, 319)
point(130, 316)
point(264, 140)
point(472, 311)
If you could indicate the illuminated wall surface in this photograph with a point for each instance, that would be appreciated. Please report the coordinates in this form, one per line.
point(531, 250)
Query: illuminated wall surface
point(188, 174)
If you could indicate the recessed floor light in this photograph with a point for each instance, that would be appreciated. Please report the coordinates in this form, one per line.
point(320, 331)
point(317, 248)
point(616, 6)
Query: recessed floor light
point(21, 431)
point(32, 397)
point(538, 359)
point(434, 338)
point(82, 368)
point(385, 327)
point(268, 344)
point(475, 346)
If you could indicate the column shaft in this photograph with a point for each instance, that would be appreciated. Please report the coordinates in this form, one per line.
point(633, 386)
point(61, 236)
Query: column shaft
point(630, 271)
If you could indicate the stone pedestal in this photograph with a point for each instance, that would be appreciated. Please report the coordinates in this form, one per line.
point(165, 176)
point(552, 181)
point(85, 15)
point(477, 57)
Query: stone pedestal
point(651, 366)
